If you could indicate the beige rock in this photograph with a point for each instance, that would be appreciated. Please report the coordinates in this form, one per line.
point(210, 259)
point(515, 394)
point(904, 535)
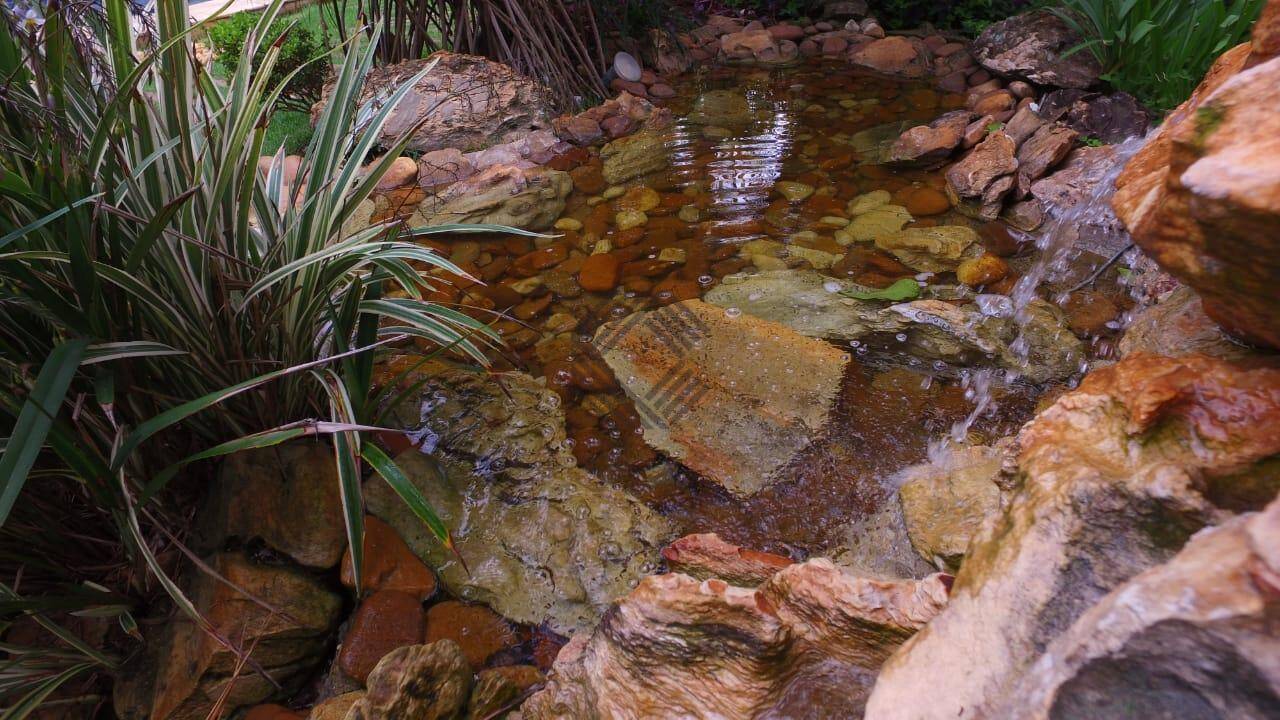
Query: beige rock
point(1162, 643)
point(761, 652)
point(945, 502)
point(429, 682)
point(935, 249)
point(501, 195)
point(1116, 476)
point(868, 201)
point(881, 221)
point(736, 417)
point(1176, 326)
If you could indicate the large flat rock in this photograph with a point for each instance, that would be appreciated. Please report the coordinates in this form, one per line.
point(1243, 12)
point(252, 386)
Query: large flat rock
point(731, 396)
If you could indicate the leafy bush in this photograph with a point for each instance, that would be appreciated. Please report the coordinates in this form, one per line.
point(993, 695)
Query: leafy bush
point(967, 16)
point(1159, 50)
point(301, 52)
point(163, 301)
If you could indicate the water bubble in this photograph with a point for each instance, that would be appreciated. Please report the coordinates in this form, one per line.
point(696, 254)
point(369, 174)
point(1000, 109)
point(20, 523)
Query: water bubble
point(705, 280)
point(756, 295)
point(939, 365)
point(732, 312)
point(900, 337)
point(862, 350)
point(831, 286)
point(854, 343)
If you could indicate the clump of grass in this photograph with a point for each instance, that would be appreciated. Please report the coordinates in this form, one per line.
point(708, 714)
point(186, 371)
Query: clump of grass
point(1159, 50)
point(165, 302)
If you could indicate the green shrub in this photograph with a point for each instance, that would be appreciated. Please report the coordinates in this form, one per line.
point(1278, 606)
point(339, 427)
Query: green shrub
point(967, 16)
point(1159, 50)
point(301, 50)
point(164, 302)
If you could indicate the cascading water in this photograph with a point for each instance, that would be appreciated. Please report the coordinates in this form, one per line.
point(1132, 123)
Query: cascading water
point(1059, 252)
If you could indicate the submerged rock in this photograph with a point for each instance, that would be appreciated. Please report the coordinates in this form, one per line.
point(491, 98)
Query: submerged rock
point(805, 643)
point(723, 108)
point(1194, 637)
point(1036, 46)
point(544, 540)
point(935, 249)
point(945, 502)
point(980, 333)
point(1116, 476)
point(731, 396)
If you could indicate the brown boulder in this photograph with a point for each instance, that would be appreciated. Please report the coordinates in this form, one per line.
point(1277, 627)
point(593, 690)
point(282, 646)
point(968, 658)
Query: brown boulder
point(1036, 46)
point(286, 495)
point(578, 129)
point(680, 647)
point(978, 183)
point(284, 616)
point(1047, 147)
point(441, 167)
point(1195, 637)
point(1109, 118)
point(930, 144)
point(894, 55)
point(467, 102)
point(384, 621)
point(1203, 197)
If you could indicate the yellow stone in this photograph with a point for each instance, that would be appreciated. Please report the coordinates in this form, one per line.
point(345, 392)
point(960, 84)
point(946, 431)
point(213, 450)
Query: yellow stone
point(568, 223)
point(627, 219)
point(640, 198)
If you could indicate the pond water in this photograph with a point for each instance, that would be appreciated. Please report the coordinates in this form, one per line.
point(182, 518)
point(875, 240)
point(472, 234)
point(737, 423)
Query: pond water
point(741, 137)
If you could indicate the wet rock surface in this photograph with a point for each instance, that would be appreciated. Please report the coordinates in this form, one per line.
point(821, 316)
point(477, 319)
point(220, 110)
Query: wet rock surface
point(1203, 196)
point(544, 540)
point(979, 333)
point(1112, 485)
point(431, 682)
point(805, 643)
point(737, 417)
point(945, 502)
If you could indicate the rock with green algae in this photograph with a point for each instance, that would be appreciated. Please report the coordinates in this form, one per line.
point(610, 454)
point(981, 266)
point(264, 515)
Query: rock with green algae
point(1115, 477)
point(499, 195)
point(545, 541)
point(634, 156)
point(935, 328)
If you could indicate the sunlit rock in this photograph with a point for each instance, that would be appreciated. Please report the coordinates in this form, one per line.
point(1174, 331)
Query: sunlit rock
point(1116, 476)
